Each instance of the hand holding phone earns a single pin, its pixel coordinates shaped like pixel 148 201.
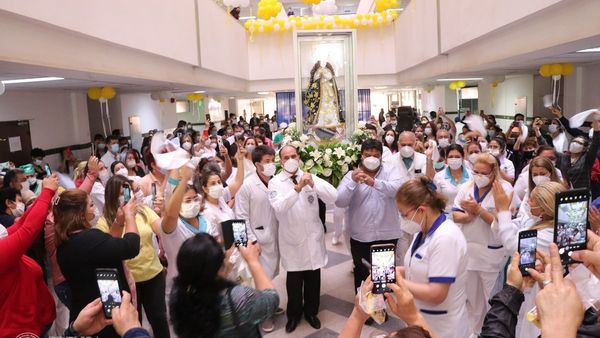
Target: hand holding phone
pixel 48 170
pixel 571 222
pixel 126 193
pixel 527 250
pixel 110 292
pixel 234 233
pixel 383 267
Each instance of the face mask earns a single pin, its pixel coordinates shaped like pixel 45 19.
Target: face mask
pixel 250 148
pixel 553 128
pixel 101 146
pixel 444 142
pixel 19 210
pixel 494 152
pixel 481 181
pixel 532 218
pixel 389 139
pixel 3 232
pixel 31 181
pixel 114 148
pixel 491 133
pixel 472 157
pixel 104 176
pixel 186 145
pixel 207 143
pixel 269 169
pixel 407 151
pixel 122 172
pixel 483 146
pixel 371 163
pixel 575 148
pixel 529 154
pixel 238 134
pixel 189 209
pixel 213 145
pixel 131 164
pixel 455 163
pixel 427 131
pixel 38 162
pixel 438 166
pixel 540 178
pixel 291 165
pixel 215 191
pixel 410 226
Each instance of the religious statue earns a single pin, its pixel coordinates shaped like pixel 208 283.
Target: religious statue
pixel 322 98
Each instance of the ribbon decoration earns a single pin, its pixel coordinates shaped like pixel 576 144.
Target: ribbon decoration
pixel 577 120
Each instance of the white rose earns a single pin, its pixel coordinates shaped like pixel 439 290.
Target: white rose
pixel 327 172
pixel 328 151
pixel 340 162
pixel 296 144
pixel 326 157
pixel 348 160
pixel 309 164
pixel 303 138
pixel 319 160
pixel 328 164
pixel 344 169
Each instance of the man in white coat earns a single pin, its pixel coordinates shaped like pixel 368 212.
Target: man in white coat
pixel 293 195
pixel 410 164
pixel 252 204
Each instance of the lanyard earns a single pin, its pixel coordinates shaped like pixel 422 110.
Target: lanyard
pixel 201 222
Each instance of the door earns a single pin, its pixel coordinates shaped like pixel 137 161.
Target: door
pixel 15 142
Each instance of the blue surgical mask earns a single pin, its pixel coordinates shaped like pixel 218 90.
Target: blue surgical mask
pixel 114 148
pixel 438 165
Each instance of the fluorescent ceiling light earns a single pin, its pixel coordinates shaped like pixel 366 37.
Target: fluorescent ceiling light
pixel 380 87
pixel 589 50
pixel 252 17
pixel 397 9
pixel 35 79
pixel 263 93
pixel 200 91
pixel 462 79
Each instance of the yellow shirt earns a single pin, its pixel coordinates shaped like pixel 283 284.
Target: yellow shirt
pixel 146 264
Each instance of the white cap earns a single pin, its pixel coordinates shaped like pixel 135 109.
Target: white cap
pixel 283 125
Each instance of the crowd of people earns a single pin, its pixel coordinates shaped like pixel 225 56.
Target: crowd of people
pixel 451 200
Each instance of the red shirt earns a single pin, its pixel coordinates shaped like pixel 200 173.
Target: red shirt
pixel 26 305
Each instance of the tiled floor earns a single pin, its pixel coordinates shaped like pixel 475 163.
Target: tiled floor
pixel 337 299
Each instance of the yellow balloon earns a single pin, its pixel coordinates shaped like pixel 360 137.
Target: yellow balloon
pixel 545 70
pixel 94 93
pixel 567 68
pixel 494 84
pixel 556 69
pixel 247 24
pixel 328 25
pixel 461 84
pixel 452 85
pixel 190 97
pixel 394 15
pixel 107 93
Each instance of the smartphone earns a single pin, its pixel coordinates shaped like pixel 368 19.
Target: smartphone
pixel 126 193
pixel 383 267
pixel 234 233
pixel 153 191
pixel 110 292
pixel 48 170
pixel 527 249
pixel 571 222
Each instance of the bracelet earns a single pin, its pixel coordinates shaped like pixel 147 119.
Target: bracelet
pixel 173 181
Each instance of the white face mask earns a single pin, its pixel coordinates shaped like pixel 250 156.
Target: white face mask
pixel 444 142
pixel 122 172
pixel 407 151
pixel 250 148
pixel 427 131
pixel 483 146
pixel 472 157
pixel 552 128
pixel 412 227
pixel 575 148
pixel 213 145
pixel 540 178
pixel 31 180
pixel 104 176
pixel 131 164
pixel 38 162
pixel 481 181
pixel 389 139
pixel 532 218
pixel 215 191
pixel 455 163
pixel 291 165
pixel 186 145
pixel 371 163
pixel 19 210
pixel 495 152
pixel 189 209
pixel 207 143
pixel 101 146
pixel 3 232
pixel 269 169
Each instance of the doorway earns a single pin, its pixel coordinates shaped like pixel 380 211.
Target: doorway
pixel 15 142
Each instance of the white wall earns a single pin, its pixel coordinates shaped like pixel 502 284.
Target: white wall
pixel 57 118
pixel 416 36
pixel 153 114
pixel 505 95
pixel 434 99
pixel 581 89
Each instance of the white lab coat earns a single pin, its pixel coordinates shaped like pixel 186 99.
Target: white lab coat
pixel 252 204
pixel 301 235
pixel 417 168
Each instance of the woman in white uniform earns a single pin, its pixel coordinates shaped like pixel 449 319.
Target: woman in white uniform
pixel 449 180
pixel 435 264
pixel 541 218
pixel 540 170
pixel 472 149
pixel 497 147
pixel 474 209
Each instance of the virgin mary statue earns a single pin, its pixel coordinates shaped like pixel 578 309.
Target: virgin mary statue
pixel 322 98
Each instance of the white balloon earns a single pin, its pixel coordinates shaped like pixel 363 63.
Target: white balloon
pixel 379 19
pixel 364 22
pixel 287 25
pixel 2 88
pixel 276 27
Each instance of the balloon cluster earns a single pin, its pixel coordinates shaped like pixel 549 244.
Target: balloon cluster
pixel 195 97
pixel 556 69
pixel 455 85
pixel 383 5
pixel 268 9
pixel 236 3
pixel 325 7
pixel 312 2
pixel 97 93
pixel 369 20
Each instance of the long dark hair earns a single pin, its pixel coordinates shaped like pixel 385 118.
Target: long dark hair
pixel 195 302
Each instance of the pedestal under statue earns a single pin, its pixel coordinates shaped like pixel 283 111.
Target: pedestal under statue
pixel 322 98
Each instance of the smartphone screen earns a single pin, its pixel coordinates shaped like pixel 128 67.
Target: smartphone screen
pixel 383 267
pixel 126 193
pixel 527 249
pixel 571 223
pixel 153 191
pixel 240 237
pixel 110 293
pixel 48 170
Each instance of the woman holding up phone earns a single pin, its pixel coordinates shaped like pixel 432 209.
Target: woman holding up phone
pixel 541 210
pixel 145 267
pixel 82 249
pixel 435 266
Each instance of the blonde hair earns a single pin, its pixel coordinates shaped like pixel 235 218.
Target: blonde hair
pixel 421 191
pixel 542 162
pixel 490 160
pixel 544 196
pixel 79 170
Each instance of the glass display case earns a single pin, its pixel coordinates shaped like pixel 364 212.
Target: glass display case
pixel 325 83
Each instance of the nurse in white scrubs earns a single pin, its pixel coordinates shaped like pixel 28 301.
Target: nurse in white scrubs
pixel 449 180
pixel 475 210
pixel 435 264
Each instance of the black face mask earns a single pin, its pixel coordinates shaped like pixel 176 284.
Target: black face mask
pixel 529 154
